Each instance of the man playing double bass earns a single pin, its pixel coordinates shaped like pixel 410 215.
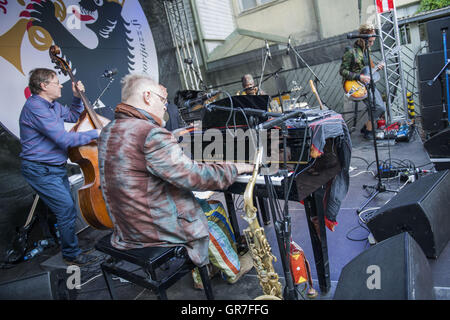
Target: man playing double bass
pixel 44 154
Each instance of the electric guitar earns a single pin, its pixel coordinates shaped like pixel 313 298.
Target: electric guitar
pixel 357 90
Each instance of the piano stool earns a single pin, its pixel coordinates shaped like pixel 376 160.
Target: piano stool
pixel 150 260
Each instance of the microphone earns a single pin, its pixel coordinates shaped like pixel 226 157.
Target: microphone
pixel 271 123
pixel 191 102
pixel 360 36
pixel 269 55
pixel 288 46
pixel 109 73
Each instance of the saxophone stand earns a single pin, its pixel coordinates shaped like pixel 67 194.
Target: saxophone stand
pixel 283 226
pixel 379 187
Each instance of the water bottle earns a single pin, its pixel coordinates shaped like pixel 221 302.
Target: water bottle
pixel 31 254
pixel 43 243
pixel 58 235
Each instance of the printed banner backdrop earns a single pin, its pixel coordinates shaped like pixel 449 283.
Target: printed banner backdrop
pixel 94 36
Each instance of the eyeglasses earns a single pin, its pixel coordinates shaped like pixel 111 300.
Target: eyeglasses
pixel 163 100
pixel 57 82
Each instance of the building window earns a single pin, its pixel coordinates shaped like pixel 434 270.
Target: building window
pixel 423 31
pixel 405 34
pixel 250 4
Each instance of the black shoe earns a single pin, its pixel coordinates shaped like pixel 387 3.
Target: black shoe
pixel 368 135
pixel 82 259
pixel 363 129
pixel 87 250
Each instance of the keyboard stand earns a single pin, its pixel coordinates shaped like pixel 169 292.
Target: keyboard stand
pixel 314 207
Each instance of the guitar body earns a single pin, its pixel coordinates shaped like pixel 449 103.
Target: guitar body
pixel 355 89
pixel 90 197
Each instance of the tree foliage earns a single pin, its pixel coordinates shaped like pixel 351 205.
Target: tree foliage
pixel 428 5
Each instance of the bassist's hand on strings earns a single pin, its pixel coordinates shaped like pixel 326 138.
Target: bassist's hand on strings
pixel 79 87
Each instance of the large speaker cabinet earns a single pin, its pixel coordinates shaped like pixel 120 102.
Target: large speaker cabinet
pixel 421 209
pixel 50 285
pixel 394 269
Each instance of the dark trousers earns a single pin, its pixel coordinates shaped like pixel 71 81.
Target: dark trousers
pixel 379 108
pixel 52 185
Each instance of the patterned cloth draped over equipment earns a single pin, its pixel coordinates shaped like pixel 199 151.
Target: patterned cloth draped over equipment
pixel 330 143
pixel 222 242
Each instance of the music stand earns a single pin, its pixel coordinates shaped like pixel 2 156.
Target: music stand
pixel 379 187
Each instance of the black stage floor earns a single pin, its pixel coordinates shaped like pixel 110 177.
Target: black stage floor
pixel 349 239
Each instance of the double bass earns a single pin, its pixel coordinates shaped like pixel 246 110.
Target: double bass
pixel 91 203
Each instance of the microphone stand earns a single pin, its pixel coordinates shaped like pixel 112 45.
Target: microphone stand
pixel 380 187
pixel 266 56
pixel 283 227
pixel 276 75
pixel 202 84
pixel 111 79
pixel 316 78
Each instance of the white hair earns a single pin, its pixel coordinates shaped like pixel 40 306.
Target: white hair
pixel 134 84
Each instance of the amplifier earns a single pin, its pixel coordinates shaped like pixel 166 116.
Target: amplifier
pixel 431 95
pixel 430 64
pixel 434 33
pixel 433 118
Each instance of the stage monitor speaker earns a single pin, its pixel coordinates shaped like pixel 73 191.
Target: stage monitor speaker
pixel 438 149
pixel 438 146
pixel 394 269
pixel 50 285
pixel 433 118
pixel 429 64
pixel 432 95
pixel 420 208
pixel 434 33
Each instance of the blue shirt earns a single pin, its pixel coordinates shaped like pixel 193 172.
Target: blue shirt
pixel 42 133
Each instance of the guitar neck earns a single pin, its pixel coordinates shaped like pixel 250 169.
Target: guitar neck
pixel 314 90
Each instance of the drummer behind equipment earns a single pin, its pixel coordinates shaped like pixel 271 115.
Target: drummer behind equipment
pixel 249 87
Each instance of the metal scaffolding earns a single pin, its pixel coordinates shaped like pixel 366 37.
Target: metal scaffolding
pixel 396 102
pixel 184 44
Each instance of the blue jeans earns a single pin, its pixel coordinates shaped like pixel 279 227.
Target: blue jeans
pixel 379 108
pixel 52 185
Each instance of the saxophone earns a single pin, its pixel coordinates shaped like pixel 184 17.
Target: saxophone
pixel 257 242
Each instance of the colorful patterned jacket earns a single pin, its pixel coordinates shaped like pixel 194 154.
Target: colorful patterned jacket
pixel 147 182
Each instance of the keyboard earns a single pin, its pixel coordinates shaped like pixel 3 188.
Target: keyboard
pixel 277 180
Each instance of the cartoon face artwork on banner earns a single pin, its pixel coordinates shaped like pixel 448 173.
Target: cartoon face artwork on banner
pixel 95 36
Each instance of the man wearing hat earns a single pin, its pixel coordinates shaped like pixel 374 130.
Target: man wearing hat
pixel 352 64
